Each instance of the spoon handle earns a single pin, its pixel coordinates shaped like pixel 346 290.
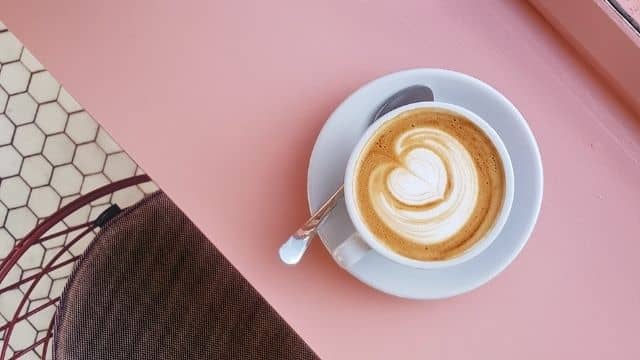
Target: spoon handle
pixel 292 250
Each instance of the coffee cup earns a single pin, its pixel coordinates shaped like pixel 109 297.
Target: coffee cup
pixel 428 185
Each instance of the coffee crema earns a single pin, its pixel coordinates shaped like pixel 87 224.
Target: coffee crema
pixel 429 184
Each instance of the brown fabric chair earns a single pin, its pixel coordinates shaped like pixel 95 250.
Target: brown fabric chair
pixel 151 286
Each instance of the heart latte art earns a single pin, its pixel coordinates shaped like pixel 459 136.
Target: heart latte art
pixel 429 184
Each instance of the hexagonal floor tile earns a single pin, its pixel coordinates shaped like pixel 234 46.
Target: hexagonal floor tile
pixel 14 275
pixel 26 273
pixel 93 182
pixel 4 97
pixel 36 171
pixel 21 109
pixel 41 290
pixel 10 47
pixel 14 192
pixel 106 142
pixel 51 118
pixel 43 87
pixel 14 77
pixel 78 217
pixel 6 130
pixel 68 102
pixel 9 302
pixel 10 161
pixel 50 253
pixel 28 139
pixel 3 214
pixel 6 243
pixel 59 149
pixel 119 166
pixel 27 336
pixel 66 180
pixel 30 61
pixel 81 127
pixel 43 201
pixel 33 303
pixel 127 197
pixel 20 221
pixel 89 158
pixel 67 199
pixel 32 258
pixel 41 319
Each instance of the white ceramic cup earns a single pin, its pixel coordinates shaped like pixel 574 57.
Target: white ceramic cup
pixel 355 247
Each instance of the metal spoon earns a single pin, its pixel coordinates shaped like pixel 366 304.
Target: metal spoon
pixel 292 250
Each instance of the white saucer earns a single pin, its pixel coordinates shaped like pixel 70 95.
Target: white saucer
pixel 341 133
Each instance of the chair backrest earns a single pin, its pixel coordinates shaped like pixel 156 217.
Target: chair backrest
pixel 152 286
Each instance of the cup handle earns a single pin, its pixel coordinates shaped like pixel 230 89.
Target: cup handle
pixel 352 250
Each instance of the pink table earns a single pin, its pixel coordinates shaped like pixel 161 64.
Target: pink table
pixel 221 101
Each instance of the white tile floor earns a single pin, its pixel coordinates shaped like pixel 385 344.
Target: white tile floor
pixel 51 152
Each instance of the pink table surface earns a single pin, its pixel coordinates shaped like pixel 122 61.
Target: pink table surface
pixel 221 101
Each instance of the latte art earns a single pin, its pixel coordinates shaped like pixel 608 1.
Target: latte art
pixel 421 180
pixel 423 163
pixel 429 184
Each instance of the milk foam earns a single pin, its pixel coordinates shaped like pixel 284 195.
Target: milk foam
pixel 428 191
pixel 421 180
